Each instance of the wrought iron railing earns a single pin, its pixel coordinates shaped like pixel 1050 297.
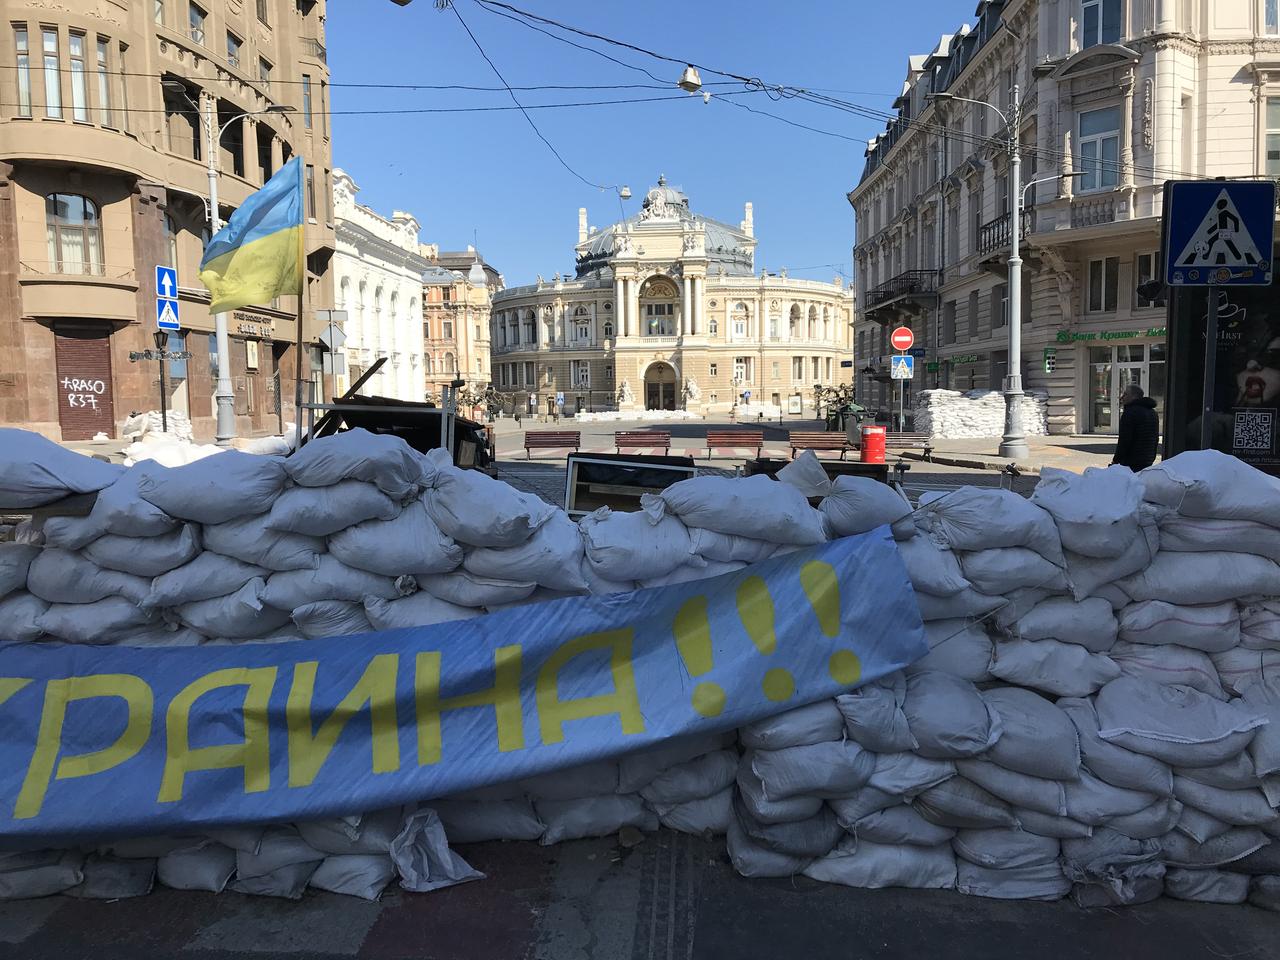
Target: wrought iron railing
pixel 994 235
pixel 909 282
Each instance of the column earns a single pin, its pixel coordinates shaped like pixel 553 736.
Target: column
pixel 277 154
pixel 1126 137
pixel 618 306
pixel 697 294
pixel 686 305
pixel 249 150
pixel 633 307
pixel 762 311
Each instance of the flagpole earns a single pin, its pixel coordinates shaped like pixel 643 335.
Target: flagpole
pixel 302 289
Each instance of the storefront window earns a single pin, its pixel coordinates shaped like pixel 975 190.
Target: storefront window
pixel 1111 369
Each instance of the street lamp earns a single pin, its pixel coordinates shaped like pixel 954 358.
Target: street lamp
pixel 1013 444
pixel 225 427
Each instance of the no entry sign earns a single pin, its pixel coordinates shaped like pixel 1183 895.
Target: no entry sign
pixel 902 338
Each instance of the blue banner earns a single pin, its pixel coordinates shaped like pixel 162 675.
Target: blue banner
pixel 118 741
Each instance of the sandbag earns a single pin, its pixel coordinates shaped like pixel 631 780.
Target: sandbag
pixel 756 507
pixel 1179 850
pixel 1004 848
pixel 1053 667
pixel 381 459
pixel 806 474
pixel 1196 535
pixel 1096 512
pixel 204 865
pixel 422 856
pixel 726 547
pixel 967 603
pixel 321 511
pixel 899 824
pixel 418 610
pixel 858 504
pixel 1150 822
pixel 932 568
pixel 1043 881
pixel 216 489
pixel 509 517
pixel 1239 668
pixel 1091 576
pixel 15 561
pixel 948 717
pixel 1201 578
pixel 145 556
pixel 1243 808
pixel 39 873
pixel 409 544
pixel 961 803
pixel 368 833
pixel 873 716
pixel 959 647
pixel 692 780
pixel 699 570
pixel 470 821
pixel 1237 773
pixel 1111 869
pixel 1169 664
pixel 974 518
pixel 592 817
pixel 1000 571
pixel 1097 802
pixel 330 579
pixel 1036 739
pixel 636 770
pixel 1059 828
pixel 59 576
pixel 863 803
pixel 19 613
pixel 1199 826
pixel 1260 624
pixel 586 780
pixel 833 769
pixel 1016 789
pixel 908 774
pixel 110 620
pixel 1261 697
pixel 288 882
pixel 280 847
pixel 121 509
pixel 632 546
pixel 468 590
pixel 813 837
pixel 243 615
pixel 763 810
pixel 73 533
pixel 1207 483
pixel 754 860
pixel 552 558
pixel 35 471
pixel 330 618
pixel 248 540
pixel 707 816
pixel 360 875
pixel 859 863
pixel 1206 886
pixel 1089 622
pixel 108 878
pixel 209 575
pixel 1211 629
pixel 813 723
pixel 1114 764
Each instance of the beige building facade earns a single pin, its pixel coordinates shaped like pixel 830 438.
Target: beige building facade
pixel 1117 96
pixel 105 108
pixel 666 312
pixel 457 293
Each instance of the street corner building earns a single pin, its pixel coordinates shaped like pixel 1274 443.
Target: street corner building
pixel 667 312
pixel 107 114
pixel 1116 97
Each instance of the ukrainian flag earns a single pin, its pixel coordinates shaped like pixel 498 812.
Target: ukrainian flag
pixel 258 254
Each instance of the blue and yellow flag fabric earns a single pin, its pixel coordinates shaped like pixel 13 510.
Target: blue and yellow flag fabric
pixel 258 254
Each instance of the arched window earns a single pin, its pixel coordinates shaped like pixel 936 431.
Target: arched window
pixel 377 302
pixel 449 366
pixel 395 305
pixel 608 329
pixel 530 327
pixel 582 323
pixel 813 323
pixel 344 293
pixel 740 316
pixel 429 363
pixel 658 307
pixel 713 326
pixel 74 231
pixel 171 238
pixel 794 321
pixel 826 323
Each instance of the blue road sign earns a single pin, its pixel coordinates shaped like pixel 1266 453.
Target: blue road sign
pixel 167 298
pixel 902 367
pixel 1219 232
pixel 917 352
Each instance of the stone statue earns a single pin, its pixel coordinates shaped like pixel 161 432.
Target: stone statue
pixel 624 242
pixel 624 393
pixel 691 390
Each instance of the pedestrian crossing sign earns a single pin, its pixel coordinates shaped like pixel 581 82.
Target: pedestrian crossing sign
pixel 1219 232
pixel 902 367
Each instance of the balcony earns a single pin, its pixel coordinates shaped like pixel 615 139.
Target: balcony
pixel 908 293
pixel 994 235
pixel 311 47
pixel 1093 211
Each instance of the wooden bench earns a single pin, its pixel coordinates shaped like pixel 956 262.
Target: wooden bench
pixel 636 439
pixel 551 439
pixel 817 440
pixel 909 441
pixel 734 438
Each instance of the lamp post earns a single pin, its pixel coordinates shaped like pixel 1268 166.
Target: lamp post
pixel 225 424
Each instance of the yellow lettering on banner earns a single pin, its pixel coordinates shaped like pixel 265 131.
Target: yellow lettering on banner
pixel 309 749
pixel 253 753
pixel 503 696
pixel 624 701
pixel 137 696
pixel 11 685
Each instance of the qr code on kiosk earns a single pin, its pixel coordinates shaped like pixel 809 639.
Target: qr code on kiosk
pixel 1254 430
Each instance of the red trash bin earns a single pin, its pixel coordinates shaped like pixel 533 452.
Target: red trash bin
pixel 873 444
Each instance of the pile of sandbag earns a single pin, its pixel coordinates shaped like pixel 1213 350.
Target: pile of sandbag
pixel 173 422
pixel 952 415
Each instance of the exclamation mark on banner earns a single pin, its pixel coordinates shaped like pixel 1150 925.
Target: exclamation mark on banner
pixel 755 609
pixel 822 587
pixel 693 640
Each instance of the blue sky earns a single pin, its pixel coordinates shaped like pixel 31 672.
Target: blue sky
pixel 488 173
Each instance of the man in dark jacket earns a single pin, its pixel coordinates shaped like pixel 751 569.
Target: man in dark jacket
pixel 1139 430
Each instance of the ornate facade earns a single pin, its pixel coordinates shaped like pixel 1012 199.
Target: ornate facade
pixel 1117 96
pixel 457 290
pixel 665 312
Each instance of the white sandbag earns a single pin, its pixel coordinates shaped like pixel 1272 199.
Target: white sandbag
pixel 1179 850
pixel 631 546
pixel 1262 697
pixel 471 821
pixel 698 570
pixel 1040 882
pixel 692 780
pixel 145 848
pixel 422 856
pixel 957 802
pixel 813 723
pixel 1206 886
pixel 859 863
pixel 755 507
pixel 1090 623
pixel 967 603
pixel 762 809
pixel 418 610
pixel 120 508
pixel 216 489
pixel 1260 624
pixel 38 873
pixel 592 817
pixel 1089 576
pixel 204 865
pixel 908 774
pixel 19 613
pixel 1242 808
pixel 636 770
pixel 931 568
pixel 1001 571
pixel 145 556
pixel 1097 802
pixel 974 518
pixel 35 471
pixel 1016 789
pixel 248 540
pixel 164 632
pixel 468 590
pixel 1237 773
pixel 1036 739
pixel 863 803
pixel 948 716
pixel 1195 535
pixel 1016 605
pixel 753 860
pixel 330 618
pixel 330 579
pixel 959 647
pixel 1239 668
pixel 360 875
pixel 1096 512
pixel 806 474
pixel 1200 826
pixel 1265 861
pixel 280 847
pixel 1211 629
pixel 1053 667
pixel 1151 822
pixel 59 576
pixel 858 504
pixel 1113 862
pixel 873 716
pixel 409 544
pixel 248 839
pixel 368 833
pixel 380 459
pixel 1168 664
pixel 552 558
pixel 813 837
pixel 15 561
pixel 726 547
pixel 899 824
pixel 833 769
pixel 1114 764
pixel 509 516
pixel 1207 483
pixel 241 615
pixel 585 780
pixel 1005 848
pixel 106 621
pixel 73 533
pixel 288 882
pixel 108 878
pixel 1059 828
pixel 1209 577
pixel 705 817
pixel 321 511
pixel 209 575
